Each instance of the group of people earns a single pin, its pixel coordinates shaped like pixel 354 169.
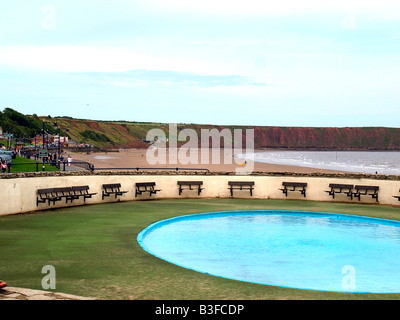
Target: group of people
pixel 15 150
pixel 52 158
pixel 4 164
pixel 69 160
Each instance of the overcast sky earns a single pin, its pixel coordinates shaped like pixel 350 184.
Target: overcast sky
pixel 253 62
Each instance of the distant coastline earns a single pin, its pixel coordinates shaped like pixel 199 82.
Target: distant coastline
pixel 129 134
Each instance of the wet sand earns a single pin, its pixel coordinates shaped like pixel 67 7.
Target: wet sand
pixel 132 158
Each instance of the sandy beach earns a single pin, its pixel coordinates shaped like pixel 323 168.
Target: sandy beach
pixel 143 158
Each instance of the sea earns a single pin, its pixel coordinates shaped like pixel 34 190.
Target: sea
pixel 381 162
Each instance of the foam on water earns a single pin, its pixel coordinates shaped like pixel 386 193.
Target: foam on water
pixel 353 161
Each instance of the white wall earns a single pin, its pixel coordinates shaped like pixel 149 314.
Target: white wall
pixel 18 195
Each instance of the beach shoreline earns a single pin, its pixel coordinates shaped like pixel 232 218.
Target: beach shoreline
pixel 224 161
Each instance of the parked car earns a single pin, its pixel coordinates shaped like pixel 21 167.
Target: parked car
pixel 6 155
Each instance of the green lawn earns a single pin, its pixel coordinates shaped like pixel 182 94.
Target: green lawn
pixel 95 252
pixel 29 165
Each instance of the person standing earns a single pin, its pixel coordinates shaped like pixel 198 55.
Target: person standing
pixel 3 166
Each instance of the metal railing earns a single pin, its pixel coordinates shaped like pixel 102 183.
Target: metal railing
pixel 37 164
pixel 81 164
pixel 63 166
pixel 41 166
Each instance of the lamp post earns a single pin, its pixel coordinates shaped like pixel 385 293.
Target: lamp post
pixel 59 142
pixel 55 126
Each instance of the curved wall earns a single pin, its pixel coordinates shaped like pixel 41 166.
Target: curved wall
pixel 18 191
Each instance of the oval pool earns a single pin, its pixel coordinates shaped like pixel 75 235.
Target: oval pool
pixel 296 249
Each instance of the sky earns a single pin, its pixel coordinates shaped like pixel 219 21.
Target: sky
pixel 254 62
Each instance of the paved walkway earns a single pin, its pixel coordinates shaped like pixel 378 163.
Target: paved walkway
pixel 13 293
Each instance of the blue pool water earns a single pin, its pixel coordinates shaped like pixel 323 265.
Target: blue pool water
pixel 307 250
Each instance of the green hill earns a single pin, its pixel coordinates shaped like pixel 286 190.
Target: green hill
pixel 22 125
pixel 125 134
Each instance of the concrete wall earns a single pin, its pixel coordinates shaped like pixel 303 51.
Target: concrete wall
pixel 18 192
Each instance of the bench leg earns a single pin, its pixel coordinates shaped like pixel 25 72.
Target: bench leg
pixel 350 195
pixel 39 201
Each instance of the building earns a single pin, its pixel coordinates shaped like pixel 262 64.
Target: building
pixel 62 139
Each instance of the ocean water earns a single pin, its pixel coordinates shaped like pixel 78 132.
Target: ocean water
pixel 383 162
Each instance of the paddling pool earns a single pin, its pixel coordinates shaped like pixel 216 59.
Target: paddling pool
pixel 295 249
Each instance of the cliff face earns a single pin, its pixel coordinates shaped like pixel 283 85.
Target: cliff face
pixel 132 135
pixel 328 138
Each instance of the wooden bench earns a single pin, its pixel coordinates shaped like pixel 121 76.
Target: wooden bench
pixel 47 194
pixel 190 184
pixel 340 188
pixel 293 185
pixel 112 189
pixel 64 192
pixel 81 191
pixel 397 197
pixel 366 191
pixel 142 187
pixel 241 185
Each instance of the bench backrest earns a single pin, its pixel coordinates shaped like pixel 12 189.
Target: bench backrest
pixel 241 183
pixel 181 183
pixel 62 189
pixel 80 188
pixel 111 185
pixel 294 184
pixel 346 186
pixel 45 191
pixel 373 188
pixel 145 184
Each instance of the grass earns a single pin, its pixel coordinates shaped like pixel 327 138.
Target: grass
pixel 29 165
pixel 95 253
